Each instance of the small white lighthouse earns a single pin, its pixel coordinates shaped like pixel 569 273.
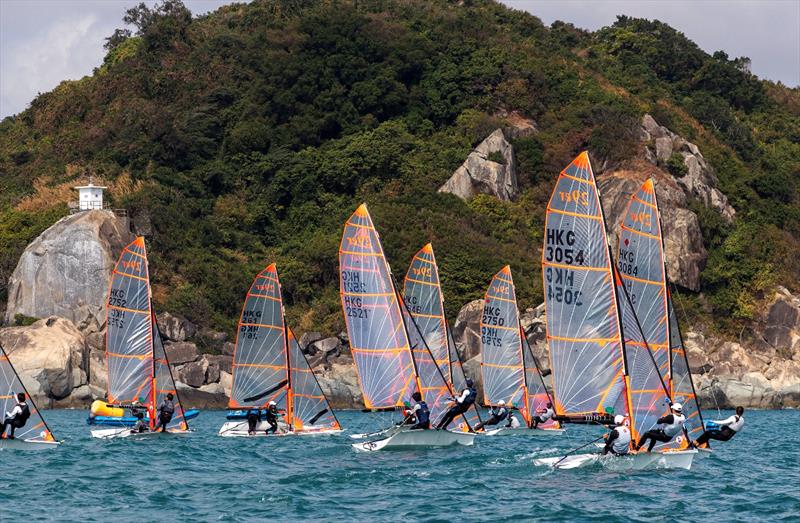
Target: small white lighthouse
pixel 90 196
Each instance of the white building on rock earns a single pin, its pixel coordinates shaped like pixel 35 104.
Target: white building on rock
pixel 90 196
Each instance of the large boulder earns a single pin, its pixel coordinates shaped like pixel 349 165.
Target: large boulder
pixel 781 326
pixel 48 356
pixel 467 330
pixel 489 169
pixel 68 266
pixel 181 352
pixel 175 327
pixel 340 385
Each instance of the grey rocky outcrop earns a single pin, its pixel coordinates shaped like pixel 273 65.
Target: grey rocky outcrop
pixel 481 175
pixel 175 327
pixel 65 271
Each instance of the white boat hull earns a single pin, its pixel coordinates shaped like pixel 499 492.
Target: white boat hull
pixel 238 429
pixel 638 461
pixel 27 444
pixel 408 439
pixel 128 433
pixel 703 453
pixel 523 431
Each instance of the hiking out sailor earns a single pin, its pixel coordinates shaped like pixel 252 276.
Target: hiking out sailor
pixel 461 404
pixel 618 441
pixel 729 427
pixel 496 415
pixel 137 411
pixel 513 421
pixel 672 425
pixel 420 412
pixel 166 409
pixel 16 418
pixel 544 415
pixel 253 415
pixel 272 418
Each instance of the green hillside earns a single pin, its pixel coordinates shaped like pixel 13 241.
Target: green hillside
pixel 249 135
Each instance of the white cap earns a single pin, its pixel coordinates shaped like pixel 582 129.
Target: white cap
pixel 271 403
pixel 677 407
pixel 501 402
pixel 619 419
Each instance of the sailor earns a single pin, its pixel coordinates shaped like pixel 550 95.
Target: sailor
pixel 166 410
pixel 729 428
pixel 544 415
pixel 461 404
pixel 618 441
pixel 421 413
pixel 513 421
pixel 496 415
pixel 672 426
pixel 272 418
pixel 137 411
pixel 253 416
pixel 17 418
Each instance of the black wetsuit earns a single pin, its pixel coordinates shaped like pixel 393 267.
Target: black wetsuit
pixel 165 412
pixel 272 419
pixel 17 421
pixel 496 417
pixel 253 416
pixel 656 435
pixel 459 408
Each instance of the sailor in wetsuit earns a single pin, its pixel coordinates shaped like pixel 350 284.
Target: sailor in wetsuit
pixel 137 411
pixel 17 418
pixel 272 418
pixel 421 413
pixel 253 416
pixel 672 426
pixel 496 415
pixel 462 403
pixel 618 441
pixel 729 428
pixel 165 412
pixel 543 416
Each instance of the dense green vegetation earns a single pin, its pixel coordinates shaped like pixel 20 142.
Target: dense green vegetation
pixel 250 134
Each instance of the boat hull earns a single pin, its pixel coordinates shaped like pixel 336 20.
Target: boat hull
pixel 238 429
pixel 129 421
pixel 409 439
pixel 524 431
pixel 28 444
pixel 128 433
pixel 640 461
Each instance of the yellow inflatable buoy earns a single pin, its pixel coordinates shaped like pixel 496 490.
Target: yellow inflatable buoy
pixel 100 408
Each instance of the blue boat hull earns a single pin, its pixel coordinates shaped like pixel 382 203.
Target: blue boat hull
pixel 129 421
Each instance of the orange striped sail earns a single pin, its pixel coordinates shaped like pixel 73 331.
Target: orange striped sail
pixel 310 408
pixel 583 329
pixel 138 369
pixel 36 428
pixel 375 326
pixel 428 332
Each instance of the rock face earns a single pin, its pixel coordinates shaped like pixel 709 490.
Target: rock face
pixel 50 357
pixel 68 267
pixel 480 174
pixel 467 330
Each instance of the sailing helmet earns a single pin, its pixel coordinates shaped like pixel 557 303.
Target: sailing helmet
pixel 501 402
pixel 272 403
pixel 469 382
pixel 619 419
pixel 677 407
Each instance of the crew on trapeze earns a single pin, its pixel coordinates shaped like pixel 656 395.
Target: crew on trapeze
pixel 729 427
pixel 461 404
pixel 672 425
pixel 496 415
pixel 618 441
pixel 543 416
pixel 420 413
pixel 16 418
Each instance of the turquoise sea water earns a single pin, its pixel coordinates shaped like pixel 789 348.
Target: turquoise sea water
pixel 202 477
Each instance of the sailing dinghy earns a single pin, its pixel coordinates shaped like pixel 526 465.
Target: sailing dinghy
pixel 389 370
pixel 602 364
pixel 268 365
pixel 35 435
pixel 641 266
pixel 511 374
pixel 138 368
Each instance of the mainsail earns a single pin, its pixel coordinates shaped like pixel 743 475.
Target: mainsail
pixel 138 369
pixel 378 326
pixel 428 332
pixel 642 269
pixel 510 373
pixel 583 330
pixel 268 364
pixel 36 428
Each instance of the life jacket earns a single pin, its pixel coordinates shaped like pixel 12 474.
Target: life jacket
pixel 423 413
pixel 23 416
pixel 674 428
pixel 167 407
pixel 622 444
pixel 471 397
pixel 501 414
